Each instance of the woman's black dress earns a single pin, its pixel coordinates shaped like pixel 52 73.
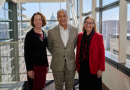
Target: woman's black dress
pixel 88 81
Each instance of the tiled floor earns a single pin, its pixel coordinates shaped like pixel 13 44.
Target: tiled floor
pixel 6 85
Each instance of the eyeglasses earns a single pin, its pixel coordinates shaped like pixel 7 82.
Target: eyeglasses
pixel 90 23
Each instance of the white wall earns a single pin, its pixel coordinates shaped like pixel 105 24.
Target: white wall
pixel 115 79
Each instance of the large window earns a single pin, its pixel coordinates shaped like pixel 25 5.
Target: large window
pixel 4 23
pixel 77 2
pixel 48 10
pixel 97 22
pixel 128 33
pixel 2 14
pixel 105 2
pixel 97 3
pixel 31 8
pixel 63 5
pixel 87 6
pixel 110 29
pixel 49 25
pixel 6 49
pixel 128 19
pixel 76 7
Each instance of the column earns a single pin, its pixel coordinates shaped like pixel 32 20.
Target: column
pixel 93 9
pixel 80 15
pixel 122 31
pixel 68 10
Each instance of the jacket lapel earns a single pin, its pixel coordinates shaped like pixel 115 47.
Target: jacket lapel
pixel 36 36
pixel 57 31
pixel 92 41
pixel 70 29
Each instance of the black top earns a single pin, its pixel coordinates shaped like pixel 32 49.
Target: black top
pixel 35 50
pixel 84 48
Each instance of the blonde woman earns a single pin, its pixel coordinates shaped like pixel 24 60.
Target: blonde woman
pixel 90 56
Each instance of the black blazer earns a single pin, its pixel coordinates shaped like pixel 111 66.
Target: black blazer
pixel 35 50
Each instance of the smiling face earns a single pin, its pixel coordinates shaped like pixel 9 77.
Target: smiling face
pixel 89 24
pixel 62 18
pixel 37 21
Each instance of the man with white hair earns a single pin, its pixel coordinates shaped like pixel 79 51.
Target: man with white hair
pixel 62 40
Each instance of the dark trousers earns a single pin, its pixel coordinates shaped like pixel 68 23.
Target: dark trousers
pixel 88 81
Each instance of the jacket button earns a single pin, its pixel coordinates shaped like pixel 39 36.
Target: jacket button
pixel 65 48
pixel 63 56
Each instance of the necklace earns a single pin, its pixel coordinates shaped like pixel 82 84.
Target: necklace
pixel 36 31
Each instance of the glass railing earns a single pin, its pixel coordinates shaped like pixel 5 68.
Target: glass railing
pixel 12 65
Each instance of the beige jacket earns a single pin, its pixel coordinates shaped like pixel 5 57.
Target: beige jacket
pixel 59 51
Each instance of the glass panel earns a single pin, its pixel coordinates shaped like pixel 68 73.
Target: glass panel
pixel 2 14
pixel 19 29
pixel 110 30
pixel 2 26
pixel 84 18
pixel 12 63
pixel 2 31
pixel 76 7
pixel 105 2
pixel 128 33
pixel 7 14
pixel 19 26
pixel 52 8
pixel 28 26
pixel 71 14
pixel 9 66
pixel 87 6
pixel 128 19
pixel 5 57
pixel 97 3
pixel 24 26
pixel 49 25
pixel 6 5
pixel 7 32
pixel 63 5
pixel 97 22
pixel 31 10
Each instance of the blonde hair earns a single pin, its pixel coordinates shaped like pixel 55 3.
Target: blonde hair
pixel 95 29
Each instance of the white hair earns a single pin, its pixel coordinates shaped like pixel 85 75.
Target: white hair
pixel 62 10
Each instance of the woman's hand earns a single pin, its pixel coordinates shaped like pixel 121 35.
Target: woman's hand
pixel 31 74
pixel 99 73
pixel 47 70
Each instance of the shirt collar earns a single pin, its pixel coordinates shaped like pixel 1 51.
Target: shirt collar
pixel 61 28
